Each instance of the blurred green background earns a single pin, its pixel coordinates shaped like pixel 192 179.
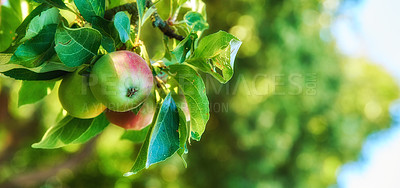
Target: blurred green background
pixel 294 112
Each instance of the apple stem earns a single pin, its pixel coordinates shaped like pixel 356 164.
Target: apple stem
pixel 162 85
pixel 133 44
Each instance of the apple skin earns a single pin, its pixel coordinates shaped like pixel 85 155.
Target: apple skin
pixel 130 120
pixel 121 80
pixel 77 98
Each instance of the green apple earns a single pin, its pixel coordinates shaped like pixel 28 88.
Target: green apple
pixel 77 98
pixel 121 80
pixel 131 120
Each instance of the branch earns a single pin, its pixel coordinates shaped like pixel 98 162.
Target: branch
pixel 158 22
pixel 164 27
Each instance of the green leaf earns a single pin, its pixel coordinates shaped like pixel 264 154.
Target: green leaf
pixel 72 130
pixel 185 46
pixel 47 17
pixel 77 46
pixel 9 20
pixel 183 135
pixel 90 8
pixel 162 141
pixel 194 90
pixel 15 5
pixel 98 125
pixel 169 58
pixel 55 3
pixel 4 59
pixel 33 91
pixel 216 54
pixel 21 30
pixel 198 6
pixel 27 74
pixel 105 27
pixel 177 5
pixel 141 6
pixel 180 2
pixel 108 44
pixel 196 21
pixel 136 136
pixel 123 26
pixel 47 71
pixel 109 32
pixel 147 14
pixel 37 50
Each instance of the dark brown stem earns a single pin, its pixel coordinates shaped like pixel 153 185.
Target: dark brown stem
pixel 156 19
pixel 164 27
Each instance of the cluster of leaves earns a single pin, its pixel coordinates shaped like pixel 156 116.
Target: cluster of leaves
pixel 47 46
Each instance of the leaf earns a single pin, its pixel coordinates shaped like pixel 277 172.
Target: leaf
pixel 183 135
pixel 37 50
pixel 77 46
pixel 162 141
pixel 196 6
pixel 177 5
pixel 184 47
pixel 180 2
pixel 147 14
pixel 108 44
pixel 16 6
pixel 194 91
pixel 105 27
pixel 26 74
pixel 141 6
pixel 136 136
pixel 123 26
pixel 47 71
pixel 47 17
pixel 55 3
pixel 4 59
pixel 216 54
pixel 72 130
pixel 98 125
pixel 9 21
pixel 48 66
pixel 33 91
pixel 180 100
pixel 196 21
pixel 21 30
pixel 109 32
pixel 169 58
pixel 90 8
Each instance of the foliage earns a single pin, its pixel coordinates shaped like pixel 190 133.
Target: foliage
pixel 293 112
pixel 47 38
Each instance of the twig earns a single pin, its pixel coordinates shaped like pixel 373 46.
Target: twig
pixel 164 27
pixel 157 20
